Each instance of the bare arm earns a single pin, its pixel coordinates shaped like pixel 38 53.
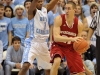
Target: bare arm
pixel 51 5
pixel 80 27
pixel 85 24
pixel 56 32
pixel 32 9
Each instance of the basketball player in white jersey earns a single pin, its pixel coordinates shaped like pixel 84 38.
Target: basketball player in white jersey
pixel 36 45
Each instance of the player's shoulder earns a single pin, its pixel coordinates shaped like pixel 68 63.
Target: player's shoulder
pixel 58 17
pixel 58 21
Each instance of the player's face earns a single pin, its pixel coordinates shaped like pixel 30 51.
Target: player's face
pixel 78 10
pixel 19 11
pixel 8 12
pixel 16 45
pixel 27 5
pixel 1 11
pixel 84 35
pixel 69 10
pixel 39 4
pixel 93 10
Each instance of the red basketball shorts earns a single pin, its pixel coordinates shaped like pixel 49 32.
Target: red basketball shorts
pixel 74 59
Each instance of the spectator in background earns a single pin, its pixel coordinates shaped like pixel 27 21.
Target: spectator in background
pixel 61 6
pixel 79 12
pixel 9 3
pixel 87 21
pixel 8 12
pixel 27 4
pixel 88 66
pixel 14 56
pixel 20 24
pixel 86 8
pixel 1 56
pixel 5 29
pixel 90 54
pixel 99 4
pixel 3 1
pixel 17 2
pixel 77 2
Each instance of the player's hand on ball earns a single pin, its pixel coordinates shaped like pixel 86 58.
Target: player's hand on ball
pixel 76 39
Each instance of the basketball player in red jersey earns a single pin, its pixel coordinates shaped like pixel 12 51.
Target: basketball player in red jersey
pixel 67 29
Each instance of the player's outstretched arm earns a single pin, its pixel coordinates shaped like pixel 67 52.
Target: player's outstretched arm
pixel 32 9
pixel 51 5
pixel 56 31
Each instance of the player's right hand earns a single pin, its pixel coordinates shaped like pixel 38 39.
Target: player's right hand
pixel 76 39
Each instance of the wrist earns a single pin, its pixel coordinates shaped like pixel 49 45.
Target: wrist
pixel 70 39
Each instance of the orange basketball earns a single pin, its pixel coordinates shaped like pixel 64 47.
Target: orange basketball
pixel 81 46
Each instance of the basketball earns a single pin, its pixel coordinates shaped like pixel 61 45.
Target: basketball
pixel 81 46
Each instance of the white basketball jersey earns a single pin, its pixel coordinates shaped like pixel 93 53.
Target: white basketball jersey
pixel 41 27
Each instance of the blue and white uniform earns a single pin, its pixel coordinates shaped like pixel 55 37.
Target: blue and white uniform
pixel 36 45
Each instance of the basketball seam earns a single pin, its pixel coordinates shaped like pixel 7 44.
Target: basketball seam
pixel 86 45
pixel 79 45
pixel 83 47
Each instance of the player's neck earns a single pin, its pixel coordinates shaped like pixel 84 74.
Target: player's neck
pixel 70 19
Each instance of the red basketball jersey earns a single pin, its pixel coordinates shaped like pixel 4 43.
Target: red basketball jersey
pixel 67 31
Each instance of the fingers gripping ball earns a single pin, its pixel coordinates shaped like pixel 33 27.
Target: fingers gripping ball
pixel 81 46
